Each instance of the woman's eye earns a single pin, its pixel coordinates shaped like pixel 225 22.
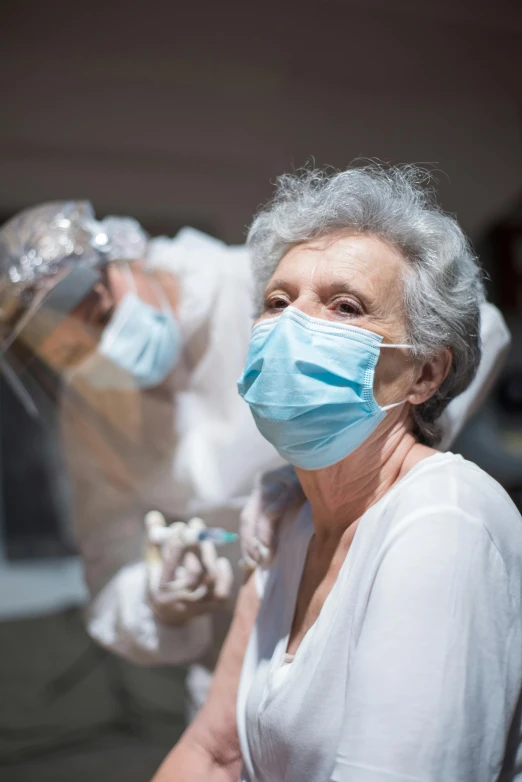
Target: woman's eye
pixel 346 307
pixel 276 304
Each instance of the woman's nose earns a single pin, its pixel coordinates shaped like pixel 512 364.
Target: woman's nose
pixel 308 305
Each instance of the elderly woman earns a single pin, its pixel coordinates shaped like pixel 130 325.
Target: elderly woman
pixel 384 641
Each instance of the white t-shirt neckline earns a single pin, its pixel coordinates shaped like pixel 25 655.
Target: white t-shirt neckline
pixel 431 586
pixel 326 615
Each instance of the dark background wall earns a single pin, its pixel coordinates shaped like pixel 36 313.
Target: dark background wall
pixel 184 112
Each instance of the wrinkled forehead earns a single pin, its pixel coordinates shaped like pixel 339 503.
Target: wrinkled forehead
pixel 366 262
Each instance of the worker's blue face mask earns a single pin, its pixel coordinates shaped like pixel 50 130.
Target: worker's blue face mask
pixel 309 384
pixel 141 340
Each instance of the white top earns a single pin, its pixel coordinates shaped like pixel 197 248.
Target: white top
pixel 413 669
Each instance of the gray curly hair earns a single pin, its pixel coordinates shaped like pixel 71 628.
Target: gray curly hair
pixel 443 288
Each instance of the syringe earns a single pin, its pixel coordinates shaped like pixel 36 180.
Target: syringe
pixel 217 535
pixel 159 533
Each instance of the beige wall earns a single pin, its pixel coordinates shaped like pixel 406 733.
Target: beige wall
pixel 186 114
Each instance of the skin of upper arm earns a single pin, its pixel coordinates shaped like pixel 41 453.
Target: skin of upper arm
pixel 209 749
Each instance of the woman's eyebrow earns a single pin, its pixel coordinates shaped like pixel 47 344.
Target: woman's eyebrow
pixel 342 286
pixel 281 284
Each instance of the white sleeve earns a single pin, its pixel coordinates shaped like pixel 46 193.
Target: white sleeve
pixel 437 666
pixel 495 340
pixel 108 525
pixel 121 619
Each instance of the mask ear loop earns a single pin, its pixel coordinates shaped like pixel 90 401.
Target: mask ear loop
pixel 395 404
pixel 131 282
pixel 165 305
pixel 165 308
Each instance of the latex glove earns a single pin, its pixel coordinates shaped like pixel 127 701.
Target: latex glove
pixel 273 494
pixel 186 576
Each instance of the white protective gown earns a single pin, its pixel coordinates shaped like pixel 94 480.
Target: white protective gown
pixel 189 447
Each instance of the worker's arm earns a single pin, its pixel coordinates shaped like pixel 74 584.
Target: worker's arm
pixel 209 749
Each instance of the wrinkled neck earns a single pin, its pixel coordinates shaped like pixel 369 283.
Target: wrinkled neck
pixel 341 494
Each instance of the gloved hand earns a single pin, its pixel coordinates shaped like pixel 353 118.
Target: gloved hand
pixel 186 576
pixel 273 494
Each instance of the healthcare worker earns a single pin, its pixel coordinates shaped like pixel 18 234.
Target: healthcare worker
pixel 148 338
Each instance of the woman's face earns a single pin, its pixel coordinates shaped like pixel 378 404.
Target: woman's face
pixel 356 280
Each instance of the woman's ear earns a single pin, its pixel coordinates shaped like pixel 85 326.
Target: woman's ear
pixel 430 376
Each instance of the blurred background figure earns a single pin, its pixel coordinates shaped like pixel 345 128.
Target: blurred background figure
pixel 139 344
pixel 182 115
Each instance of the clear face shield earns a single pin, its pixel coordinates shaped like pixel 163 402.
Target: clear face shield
pixel 53 264
pixel 50 338
pixel 35 491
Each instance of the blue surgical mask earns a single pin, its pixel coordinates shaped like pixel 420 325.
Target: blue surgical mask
pixel 142 341
pixel 309 384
